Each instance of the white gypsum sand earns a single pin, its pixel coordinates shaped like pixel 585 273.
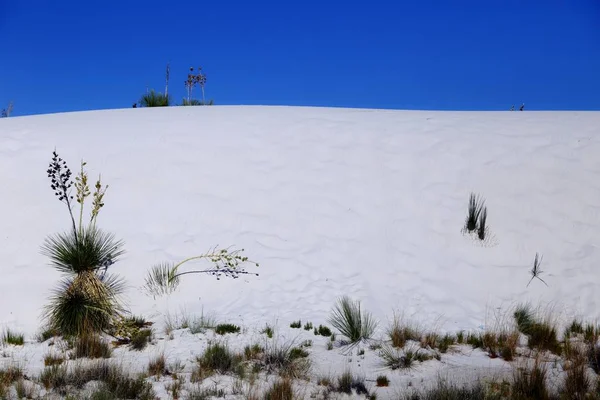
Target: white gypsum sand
pixel 330 202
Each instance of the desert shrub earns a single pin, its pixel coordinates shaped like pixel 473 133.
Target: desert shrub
pixel 174 388
pixel 114 380
pixel 52 359
pixel 445 342
pixel 460 337
pixel 529 383
pixel 218 357
pixel 157 366
pixel 541 335
pixel 347 382
pixel 222 329
pixel 401 359
pixel 253 352
pixel 286 359
pixel 14 338
pixel 576 327
pixel 296 324
pixel 593 356
pixel 205 393
pixel 503 344
pixel 91 346
pixel 155 99
pixel 382 381
pixel 323 331
pixel 140 339
pixel 280 390
pixel 351 321
pixel 591 333
pixel 25 389
pixel 297 352
pixel 399 333
pixel 476 205
pixel 268 330
pixel 87 299
pixel 576 383
pixel 308 326
pixel 448 391
pixel 8 376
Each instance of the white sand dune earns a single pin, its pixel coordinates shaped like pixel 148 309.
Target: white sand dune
pixel 366 203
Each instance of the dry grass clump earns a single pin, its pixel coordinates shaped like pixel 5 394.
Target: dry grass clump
pixel 400 332
pixel 91 346
pixel 280 390
pixel 114 380
pixel 53 359
pixel 157 366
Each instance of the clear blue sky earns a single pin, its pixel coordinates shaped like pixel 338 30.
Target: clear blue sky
pixel 422 54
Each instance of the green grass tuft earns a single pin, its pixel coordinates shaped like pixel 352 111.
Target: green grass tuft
pixel 222 329
pixel 14 338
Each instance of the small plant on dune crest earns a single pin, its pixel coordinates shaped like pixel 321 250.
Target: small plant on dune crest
pixel 536 271
pixel 164 278
pixel 280 390
pixel 296 324
pixel 87 299
pixel 476 204
pixel 308 326
pixel 14 338
pixel 222 329
pixel 352 322
pixel 155 99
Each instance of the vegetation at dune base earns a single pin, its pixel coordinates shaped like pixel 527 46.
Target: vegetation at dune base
pixel 86 300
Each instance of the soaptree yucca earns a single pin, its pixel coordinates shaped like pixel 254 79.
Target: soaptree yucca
pixel 352 322
pixel 155 99
pixel 86 300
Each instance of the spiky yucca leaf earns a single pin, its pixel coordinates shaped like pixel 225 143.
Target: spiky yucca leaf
pixel 350 320
pixel 476 204
pixel 84 303
pixel 88 250
pixel 162 279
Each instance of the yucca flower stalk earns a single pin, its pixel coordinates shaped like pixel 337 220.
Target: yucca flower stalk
pixel 163 278
pixel 86 300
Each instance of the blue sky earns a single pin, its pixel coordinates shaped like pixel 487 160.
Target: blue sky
pixel 423 54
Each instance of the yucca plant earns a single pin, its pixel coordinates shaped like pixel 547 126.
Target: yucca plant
pixel 86 300
pixel 155 99
pixel 351 321
pixel 476 205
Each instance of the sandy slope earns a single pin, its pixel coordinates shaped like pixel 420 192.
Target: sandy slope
pixel 329 201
